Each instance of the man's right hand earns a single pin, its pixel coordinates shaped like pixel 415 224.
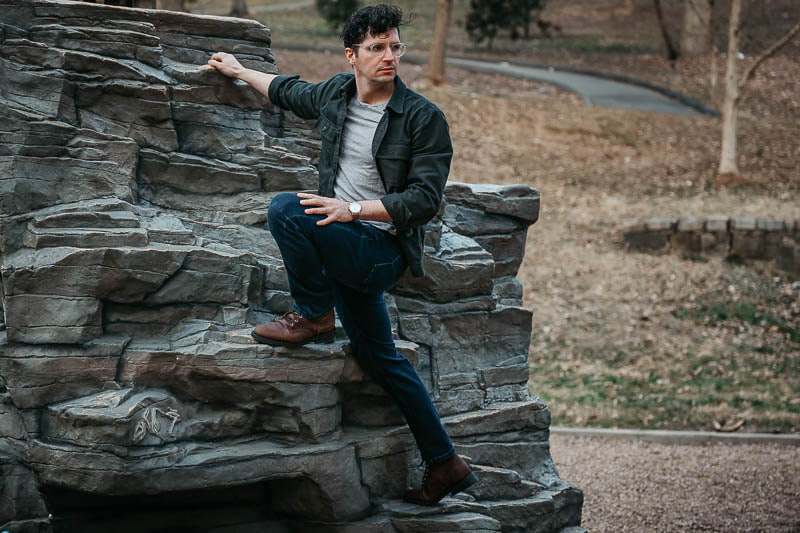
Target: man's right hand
pixel 228 65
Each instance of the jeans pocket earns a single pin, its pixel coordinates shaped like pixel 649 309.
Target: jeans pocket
pixel 384 275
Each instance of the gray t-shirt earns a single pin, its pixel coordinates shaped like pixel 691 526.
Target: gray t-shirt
pixel 357 177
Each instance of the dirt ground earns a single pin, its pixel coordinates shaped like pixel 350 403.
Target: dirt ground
pixel 634 486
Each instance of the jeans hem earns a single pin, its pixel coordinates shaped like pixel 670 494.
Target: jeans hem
pixel 442 458
pixel 309 316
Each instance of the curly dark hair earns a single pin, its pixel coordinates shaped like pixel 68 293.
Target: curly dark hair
pixel 370 20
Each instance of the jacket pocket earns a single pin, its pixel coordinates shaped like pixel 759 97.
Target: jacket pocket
pixel 393 161
pixel 326 128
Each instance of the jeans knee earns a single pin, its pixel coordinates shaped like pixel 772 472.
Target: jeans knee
pixel 282 205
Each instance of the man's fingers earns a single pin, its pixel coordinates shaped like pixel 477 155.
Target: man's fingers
pixel 310 199
pixel 330 208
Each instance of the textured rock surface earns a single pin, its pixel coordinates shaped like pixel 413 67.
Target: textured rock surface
pixel 134 264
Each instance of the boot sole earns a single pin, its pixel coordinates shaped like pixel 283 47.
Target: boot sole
pixel 471 479
pixel 322 338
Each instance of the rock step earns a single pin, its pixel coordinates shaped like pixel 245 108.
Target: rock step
pixel 101 229
pixel 501 484
pixel 85 229
pixel 222 385
pixel 87 219
pixel 550 510
pixel 85 237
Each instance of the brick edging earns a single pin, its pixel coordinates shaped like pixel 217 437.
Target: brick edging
pixel 742 237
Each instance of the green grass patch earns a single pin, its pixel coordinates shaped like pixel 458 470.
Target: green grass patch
pixel 747 311
pixel 760 385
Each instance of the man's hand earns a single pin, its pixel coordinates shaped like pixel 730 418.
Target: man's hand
pixel 334 210
pixel 339 211
pixel 227 64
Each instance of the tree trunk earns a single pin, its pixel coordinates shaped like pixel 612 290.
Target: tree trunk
pixel 730 105
pixel 696 27
pixel 171 5
pixel 239 8
pixel 672 50
pixel 630 6
pixel 713 76
pixel 436 59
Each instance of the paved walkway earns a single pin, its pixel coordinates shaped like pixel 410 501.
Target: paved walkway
pixel 595 89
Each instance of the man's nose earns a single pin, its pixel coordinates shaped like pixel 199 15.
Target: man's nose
pixel 388 52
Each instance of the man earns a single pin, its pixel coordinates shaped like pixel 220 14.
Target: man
pixel 385 158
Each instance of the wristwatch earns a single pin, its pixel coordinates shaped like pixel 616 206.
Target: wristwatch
pixel 355 209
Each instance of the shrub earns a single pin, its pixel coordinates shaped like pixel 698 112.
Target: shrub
pixel 336 12
pixel 487 17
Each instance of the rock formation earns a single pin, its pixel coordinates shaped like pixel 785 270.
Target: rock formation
pixel 133 194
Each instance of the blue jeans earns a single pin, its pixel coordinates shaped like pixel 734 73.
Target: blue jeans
pixel 349 266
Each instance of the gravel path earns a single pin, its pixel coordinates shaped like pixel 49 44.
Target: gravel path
pixel 632 485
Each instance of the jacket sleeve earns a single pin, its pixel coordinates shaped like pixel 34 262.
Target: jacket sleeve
pixel 429 165
pixel 300 97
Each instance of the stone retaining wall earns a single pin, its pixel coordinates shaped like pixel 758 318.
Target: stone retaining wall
pixel 134 263
pixel 746 238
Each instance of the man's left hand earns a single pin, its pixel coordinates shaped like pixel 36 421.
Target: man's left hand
pixel 332 209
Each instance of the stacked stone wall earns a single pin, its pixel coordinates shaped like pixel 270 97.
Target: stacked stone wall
pixel 745 238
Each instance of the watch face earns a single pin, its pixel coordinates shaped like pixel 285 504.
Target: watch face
pixel 355 208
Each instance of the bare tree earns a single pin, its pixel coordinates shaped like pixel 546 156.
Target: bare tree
pixel 696 35
pixel 672 50
pixel 630 6
pixel 436 59
pixel 171 5
pixel 734 83
pixel 239 8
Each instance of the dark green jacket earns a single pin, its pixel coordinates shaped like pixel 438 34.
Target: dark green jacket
pixel 412 149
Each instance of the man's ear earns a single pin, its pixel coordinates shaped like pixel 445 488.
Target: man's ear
pixel 350 54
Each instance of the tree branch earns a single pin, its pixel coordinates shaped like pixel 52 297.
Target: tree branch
pixel 780 43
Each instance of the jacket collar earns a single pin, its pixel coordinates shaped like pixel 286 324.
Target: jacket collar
pixel 396 103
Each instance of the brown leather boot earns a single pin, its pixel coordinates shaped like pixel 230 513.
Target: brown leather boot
pixel 293 329
pixel 441 479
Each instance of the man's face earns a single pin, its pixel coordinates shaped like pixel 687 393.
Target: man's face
pixel 374 66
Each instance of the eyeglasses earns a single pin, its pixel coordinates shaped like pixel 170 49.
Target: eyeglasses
pixel 398 49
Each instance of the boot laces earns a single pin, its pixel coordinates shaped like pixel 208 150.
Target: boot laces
pixel 292 318
pixel 426 474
